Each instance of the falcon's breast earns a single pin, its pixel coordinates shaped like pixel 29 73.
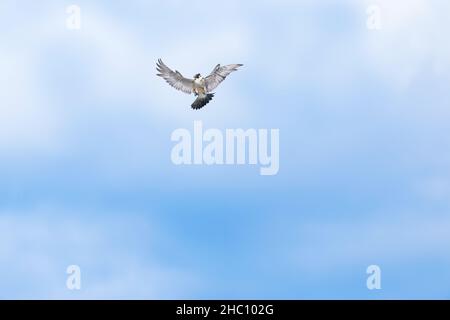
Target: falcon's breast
pixel 199 86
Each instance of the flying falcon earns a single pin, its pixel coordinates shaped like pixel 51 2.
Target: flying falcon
pixel 200 86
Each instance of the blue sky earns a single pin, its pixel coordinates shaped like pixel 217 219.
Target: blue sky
pixel 86 176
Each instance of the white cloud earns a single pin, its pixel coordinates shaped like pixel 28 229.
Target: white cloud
pixel 413 37
pixel 114 253
pixel 26 122
pixel 388 237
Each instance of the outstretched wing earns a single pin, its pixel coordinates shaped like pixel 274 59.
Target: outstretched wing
pixel 218 75
pixel 174 78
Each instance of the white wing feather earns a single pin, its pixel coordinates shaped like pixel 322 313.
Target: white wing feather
pixel 218 75
pixel 174 78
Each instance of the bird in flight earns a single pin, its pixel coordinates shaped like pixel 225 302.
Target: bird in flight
pixel 199 85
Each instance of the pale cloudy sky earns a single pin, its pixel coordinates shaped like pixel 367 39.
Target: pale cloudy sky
pixel 85 167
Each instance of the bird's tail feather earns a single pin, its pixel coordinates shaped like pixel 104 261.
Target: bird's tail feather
pixel 201 101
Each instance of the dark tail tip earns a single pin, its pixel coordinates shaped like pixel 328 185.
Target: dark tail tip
pixel 200 102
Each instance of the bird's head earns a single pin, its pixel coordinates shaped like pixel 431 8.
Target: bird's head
pixel 197 76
